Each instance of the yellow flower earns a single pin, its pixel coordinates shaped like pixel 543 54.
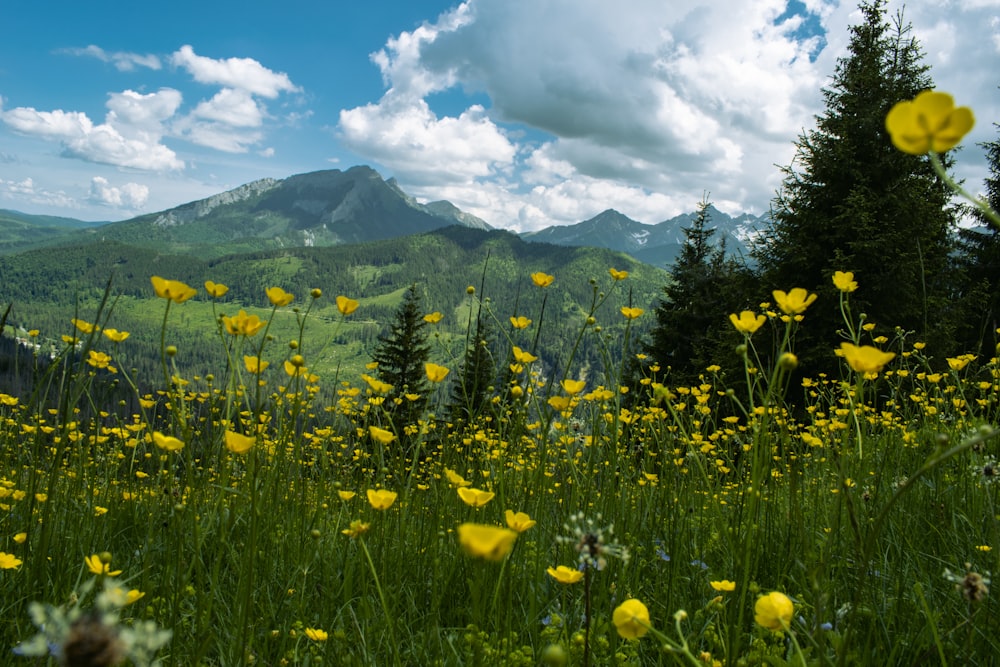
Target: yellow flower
pixel 518 521
pixel 295 366
pixel 167 442
pixel 238 443
pixel 520 322
pixel 279 297
pixel 565 575
pixel 243 324
pixel 844 281
pixel 560 403
pixel 377 385
pixel 381 499
pixel 455 479
pixel 356 528
pixel 928 122
pixel 794 302
pixel 774 611
pixel 346 306
pixel 133 595
pixel 9 561
pixel 85 327
pixel 381 435
pixel 172 290
pixel 101 564
pixel 316 634
pixel 435 373
pixel 631 618
pixel 631 313
pixel 723 586
pixel 21 538
pixel 618 275
pixel 215 290
pixel 98 359
pixel 865 358
pixel 255 365
pixel 960 362
pixel 346 495
pixel 433 318
pixel 483 541
pixel 573 387
pixel 115 335
pixel 523 357
pixel 542 279
pixel 747 323
pixel 474 497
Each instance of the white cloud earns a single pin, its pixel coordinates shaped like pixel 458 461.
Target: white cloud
pixel 241 73
pixel 122 60
pixel 643 110
pixel 130 196
pixel 25 191
pixel 129 137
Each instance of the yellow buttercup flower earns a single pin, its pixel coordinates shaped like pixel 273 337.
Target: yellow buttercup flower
pixel 356 529
pixel 794 302
pixel 115 335
pixel 238 443
pixel 279 297
pixel 518 521
pixel 172 290
pixel 84 326
pixel 928 122
pixel 435 373
pixel 844 281
pixel 474 497
pixel 346 495
pixel 215 290
pixel 565 575
pixel 377 385
pixel 542 279
pixel 100 564
pixel 167 442
pixel 631 618
pixel 865 358
pixel 774 611
pixel 255 365
pixel 316 634
pixel 243 324
pixel 723 586
pixel 523 357
pixel 455 479
pixel 381 499
pixel 484 541
pixel 631 313
pixel 560 403
pixel 433 318
pixel 9 561
pixel 618 275
pixel 573 387
pixel 748 322
pixel 346 306
pixel 381 435
pixel 959 362
pixel 133 595
pixel 520 322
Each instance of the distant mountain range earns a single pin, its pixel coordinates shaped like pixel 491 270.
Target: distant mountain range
pixel 333 207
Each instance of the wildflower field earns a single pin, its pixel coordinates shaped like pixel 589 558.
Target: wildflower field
pixel 747 519
pixel 583 514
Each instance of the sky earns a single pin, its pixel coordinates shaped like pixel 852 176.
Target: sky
pixel 526 113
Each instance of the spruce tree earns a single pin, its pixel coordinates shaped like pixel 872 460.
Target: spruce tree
pixel 470 394
pixel 401 354
pixel 850 201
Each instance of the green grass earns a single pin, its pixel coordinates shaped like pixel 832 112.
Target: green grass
pixel 870 502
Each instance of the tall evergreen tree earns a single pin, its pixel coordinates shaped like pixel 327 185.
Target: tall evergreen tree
pixel 702 291
pixel 850 201
pixel 981 263
pixel 401 354
pixel 470 394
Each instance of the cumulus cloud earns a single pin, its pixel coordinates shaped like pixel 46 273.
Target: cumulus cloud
pixel 122 60
pixel 643 110
pixel 130 136
pixel 130 196
pixel 241 73
pixel 26 191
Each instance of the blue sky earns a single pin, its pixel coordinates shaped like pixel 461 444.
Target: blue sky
pixel 524 112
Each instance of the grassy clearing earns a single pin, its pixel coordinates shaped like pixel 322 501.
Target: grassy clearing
pixel 244 514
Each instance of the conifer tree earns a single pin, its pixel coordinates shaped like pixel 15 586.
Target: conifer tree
pixel 470 394
pixel 401 354
pixel 851 202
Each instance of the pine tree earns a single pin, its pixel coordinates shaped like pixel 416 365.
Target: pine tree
pixel 981 265
pixel 701 293
pixel 470 394
pixel 401 354
pixel 850 201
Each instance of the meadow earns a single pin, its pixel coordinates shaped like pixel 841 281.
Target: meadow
pixel 761 517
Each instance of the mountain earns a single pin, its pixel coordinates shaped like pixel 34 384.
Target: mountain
pixel 320 208
pixel 21 229
pixel 657 244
